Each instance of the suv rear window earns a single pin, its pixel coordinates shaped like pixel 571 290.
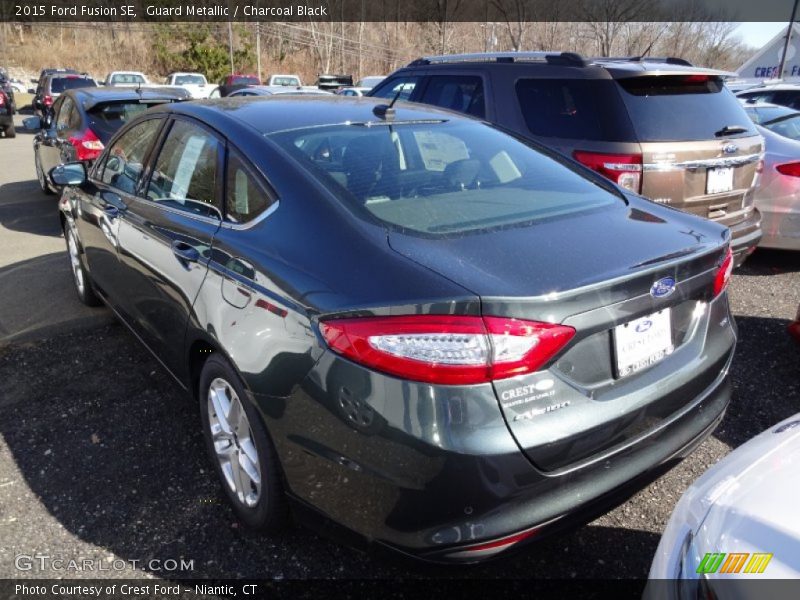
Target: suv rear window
pixel 574 109
pixel 667 108
pixel 60 84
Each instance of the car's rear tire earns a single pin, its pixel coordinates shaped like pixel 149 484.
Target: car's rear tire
pixel 240 448
pixel 80 277
pixel 10 132
pixel 40 174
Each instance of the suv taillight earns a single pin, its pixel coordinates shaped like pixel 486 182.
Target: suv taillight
pixel 723 274
pixel 623 169
pixel 48 100
pixel 2 98
pixel 792 169
pixel 87 147
pixel 445 349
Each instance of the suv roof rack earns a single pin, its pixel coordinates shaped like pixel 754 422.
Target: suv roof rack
pixel 556 58
pixel 670 60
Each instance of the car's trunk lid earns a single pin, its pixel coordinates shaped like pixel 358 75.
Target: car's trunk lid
pixel 593 272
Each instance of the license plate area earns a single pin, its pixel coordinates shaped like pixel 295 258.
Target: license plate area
pixel 719 180
pixel 643 342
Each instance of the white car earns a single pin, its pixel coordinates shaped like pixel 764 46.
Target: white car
pixel 195 83
pixel 126 79
pixel 353 91
pixel 739 521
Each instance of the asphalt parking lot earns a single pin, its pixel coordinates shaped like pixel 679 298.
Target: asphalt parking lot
pixel 101 455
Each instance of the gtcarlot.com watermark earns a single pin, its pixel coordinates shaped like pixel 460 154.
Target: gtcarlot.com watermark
pixel 57 563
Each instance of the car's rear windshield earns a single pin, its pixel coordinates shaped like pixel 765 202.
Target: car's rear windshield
pixel 240 80
pixel 665 108
pixel 575 109
pixel 189 80
pixel 60 84
pixel 765 114
pixel 441 178
pixel 128 78
pixel 106 118
pixel 285 81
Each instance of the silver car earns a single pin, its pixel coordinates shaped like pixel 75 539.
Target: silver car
pixel 777 196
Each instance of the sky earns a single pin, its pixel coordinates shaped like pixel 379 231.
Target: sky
pixel 758 34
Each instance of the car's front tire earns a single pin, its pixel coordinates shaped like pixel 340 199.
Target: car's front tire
pixel 40 174
pixel 240 448
pixel 80 277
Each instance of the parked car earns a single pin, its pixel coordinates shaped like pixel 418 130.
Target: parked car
pixel 658 127
pixel 289 80
pixel 370 81
pixel 83 120
pixel 443 338
pixel 235 82
pixel 353 91
pixel 777 196
pixel 737 522
pixel 54 84
pixel 126 79
pixel 785 94
pixel 7 114
pixel 266 90
pixel 195 83
pixel 331 83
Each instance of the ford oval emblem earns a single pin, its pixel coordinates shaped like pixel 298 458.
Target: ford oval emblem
pixel 663 287
pixel 644 326
pixel 730 148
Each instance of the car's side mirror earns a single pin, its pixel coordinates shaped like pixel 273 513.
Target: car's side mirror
pixel 32 124
pixel 73 173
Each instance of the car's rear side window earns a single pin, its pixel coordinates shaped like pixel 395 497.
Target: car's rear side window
pixel 578 109
pixel 462 93
pixel 398 87
pixel 245 199
pixel 665 108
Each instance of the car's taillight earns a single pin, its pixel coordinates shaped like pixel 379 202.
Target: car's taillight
pixel 2 99
pixel 792 169
pixel 48 100
pixel 87 147
pixel 723 275
pixel 623 169
pixel 445 349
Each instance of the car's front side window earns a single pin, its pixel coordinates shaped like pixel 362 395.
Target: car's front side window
pixel 185 174
pixel 124 161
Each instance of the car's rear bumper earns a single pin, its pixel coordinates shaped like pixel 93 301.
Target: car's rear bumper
pixel 433 472
pixel 745 236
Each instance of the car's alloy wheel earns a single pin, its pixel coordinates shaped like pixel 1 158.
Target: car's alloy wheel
pixel 240 447
pixel 233 442
pixel 40 174
pixel 83 285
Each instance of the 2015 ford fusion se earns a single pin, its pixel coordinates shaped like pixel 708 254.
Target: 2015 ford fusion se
pixel 447 340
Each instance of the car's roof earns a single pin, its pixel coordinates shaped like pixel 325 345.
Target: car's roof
pixel 91 96
pixel 269 114
pixel 583 66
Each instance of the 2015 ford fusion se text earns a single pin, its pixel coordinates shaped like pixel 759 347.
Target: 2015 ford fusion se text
pixel 444 339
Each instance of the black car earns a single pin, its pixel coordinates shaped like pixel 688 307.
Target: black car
pixel 445 339
pixel 82 121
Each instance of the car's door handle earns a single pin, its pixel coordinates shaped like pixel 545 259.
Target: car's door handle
pixel 185 251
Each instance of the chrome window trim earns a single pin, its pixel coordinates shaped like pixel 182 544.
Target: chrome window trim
pixel 706 163
pixel 253 222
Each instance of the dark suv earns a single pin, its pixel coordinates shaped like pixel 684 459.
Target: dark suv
pixel 7 107
pixel 53 83
pixel 659 127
